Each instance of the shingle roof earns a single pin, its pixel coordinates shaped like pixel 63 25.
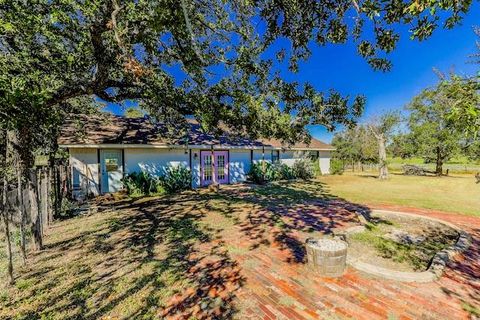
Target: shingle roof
pixel 112 129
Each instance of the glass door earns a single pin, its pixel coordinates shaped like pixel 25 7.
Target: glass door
pixel 206 168
pixel 221 166
pixel 214 167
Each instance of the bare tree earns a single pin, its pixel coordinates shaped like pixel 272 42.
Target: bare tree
pixel 381 128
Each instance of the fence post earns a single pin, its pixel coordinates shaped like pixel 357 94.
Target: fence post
pixel 49 195
pixel 44 199
pixel 35 210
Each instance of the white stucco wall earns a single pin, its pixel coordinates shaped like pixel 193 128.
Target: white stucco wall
pixel 195 168
pixel 289 156
pixel 324 160
pixel 154 161
pixel 84 165
pixel 239 165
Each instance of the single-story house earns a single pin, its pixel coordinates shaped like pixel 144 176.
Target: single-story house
pixel 103 149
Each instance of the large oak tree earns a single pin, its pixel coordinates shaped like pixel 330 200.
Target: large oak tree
pixel 199 57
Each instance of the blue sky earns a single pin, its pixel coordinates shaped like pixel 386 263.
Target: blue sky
pixel 339 67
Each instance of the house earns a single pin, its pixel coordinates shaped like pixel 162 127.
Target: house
pixel 103 148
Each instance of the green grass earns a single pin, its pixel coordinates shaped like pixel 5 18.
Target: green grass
pixel 458 194
pixel 416 255
pixel 455 165
pixel 135 258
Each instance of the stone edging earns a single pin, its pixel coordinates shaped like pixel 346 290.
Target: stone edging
pixel 439 261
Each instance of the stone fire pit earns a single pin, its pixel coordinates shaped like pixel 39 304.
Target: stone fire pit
pixel 327 256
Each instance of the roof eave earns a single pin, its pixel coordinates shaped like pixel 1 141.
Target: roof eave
pixel 177 146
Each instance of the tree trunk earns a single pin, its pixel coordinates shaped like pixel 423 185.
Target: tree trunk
pixel 382 158
pixel 36 215
pixel 22 213
pixel 6 225
pixel 439 163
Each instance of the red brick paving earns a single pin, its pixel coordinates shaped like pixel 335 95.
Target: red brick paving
pixel 277 287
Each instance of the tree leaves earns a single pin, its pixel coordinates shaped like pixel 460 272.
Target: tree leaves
pixel 206 58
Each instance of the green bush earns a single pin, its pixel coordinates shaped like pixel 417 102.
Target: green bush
pixel 176 179
pixel 286 172
pixel 140 183
pixel 262 172
pixel 303 169
pixel 336 166
pixel 316 167
pixel 256 174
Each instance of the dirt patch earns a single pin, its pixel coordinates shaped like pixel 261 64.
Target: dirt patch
pixel 401 243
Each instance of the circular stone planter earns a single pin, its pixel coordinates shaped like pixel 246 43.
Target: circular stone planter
pixel 437 266
pixel 327 256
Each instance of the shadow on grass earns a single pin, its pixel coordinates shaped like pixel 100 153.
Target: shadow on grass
pixel 151 261
pixel 157 258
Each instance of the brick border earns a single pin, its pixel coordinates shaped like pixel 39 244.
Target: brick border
pixel 439 261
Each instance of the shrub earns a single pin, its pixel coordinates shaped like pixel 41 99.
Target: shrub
pixel 303 169
pixel 176 179
pixel 336 166
pixel 256 173
pixel 286 172
pixel 140 183
pixel 273 172
pixel 316 167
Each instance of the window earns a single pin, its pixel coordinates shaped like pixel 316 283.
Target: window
pixel 111 164
pixel 275 156
pixel 207 167
pixel 221 167
pixel 76 179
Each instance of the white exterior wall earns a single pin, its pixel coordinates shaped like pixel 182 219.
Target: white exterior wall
pixel 239 165
pixel 154 161
pixel 324 160
pixel 84 164
pixel 258 156
pixel 195 168
pixel 289 157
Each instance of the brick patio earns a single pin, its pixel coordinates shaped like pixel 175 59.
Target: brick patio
pixel 278 286
pixel 236 254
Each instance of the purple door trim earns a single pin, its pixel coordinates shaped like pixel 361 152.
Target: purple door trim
pixel 215 174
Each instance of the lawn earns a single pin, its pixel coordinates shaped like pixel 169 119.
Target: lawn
pixel 456 193
pixel 207 255
pixel 461 165
pixel 166 256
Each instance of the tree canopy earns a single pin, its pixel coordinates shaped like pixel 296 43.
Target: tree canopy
pixel 203 58
pixel 434 136
pixel 133 113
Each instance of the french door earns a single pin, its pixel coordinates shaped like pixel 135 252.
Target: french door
pixel 214 167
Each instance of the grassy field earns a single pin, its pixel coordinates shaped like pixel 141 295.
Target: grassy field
pixel 457 193
pixel 459 165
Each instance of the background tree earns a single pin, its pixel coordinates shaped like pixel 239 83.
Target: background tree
pixel 355 146
pixel 436 138
pixel 382 128
pixel 466 110
pixel 133 113
pixel 402 146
